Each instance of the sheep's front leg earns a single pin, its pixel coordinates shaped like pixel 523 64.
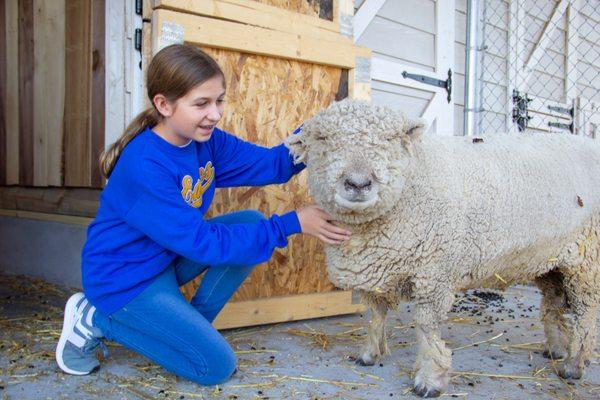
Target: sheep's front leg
pixel 434 359
pixel 376 345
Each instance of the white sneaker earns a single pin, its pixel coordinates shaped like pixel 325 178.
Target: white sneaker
pixel 79 340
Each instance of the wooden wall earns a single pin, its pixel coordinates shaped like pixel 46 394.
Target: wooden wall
pixel 52 92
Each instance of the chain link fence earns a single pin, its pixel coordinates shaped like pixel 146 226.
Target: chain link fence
pixel 538 66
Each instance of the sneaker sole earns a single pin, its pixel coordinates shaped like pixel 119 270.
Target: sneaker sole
pixel 68 325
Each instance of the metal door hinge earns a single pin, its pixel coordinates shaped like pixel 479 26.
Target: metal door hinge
pixel 447 84
pixel 561 125
pixel 562 110
pixel 520 109
pixel 138 39
pixel 139 7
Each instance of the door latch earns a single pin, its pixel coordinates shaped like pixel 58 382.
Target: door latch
pixel 520 109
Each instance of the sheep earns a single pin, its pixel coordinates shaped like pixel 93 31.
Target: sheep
pixel 433 215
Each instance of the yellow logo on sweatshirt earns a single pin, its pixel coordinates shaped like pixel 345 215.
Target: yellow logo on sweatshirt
pixel 194 196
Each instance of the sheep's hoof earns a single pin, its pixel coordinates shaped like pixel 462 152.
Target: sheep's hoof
pixel 365 363
pixel 424 391
pixel 553 355
pixel 567 371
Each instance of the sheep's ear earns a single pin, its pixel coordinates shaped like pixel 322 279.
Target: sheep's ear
pixel 412 131
pixel 415 128
pixel 295 143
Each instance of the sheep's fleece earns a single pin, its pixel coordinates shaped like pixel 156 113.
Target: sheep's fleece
pixel 432 215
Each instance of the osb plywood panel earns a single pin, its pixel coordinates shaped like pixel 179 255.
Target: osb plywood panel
pixel 267 98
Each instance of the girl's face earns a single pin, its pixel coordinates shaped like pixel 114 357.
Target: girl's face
pixel 193 116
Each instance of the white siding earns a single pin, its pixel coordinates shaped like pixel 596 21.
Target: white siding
pixel 402 31
pixel 410 101
pixel 387 37
pixel 458 78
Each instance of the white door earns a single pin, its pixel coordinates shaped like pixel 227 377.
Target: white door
pixel 395 30
pixel 124 78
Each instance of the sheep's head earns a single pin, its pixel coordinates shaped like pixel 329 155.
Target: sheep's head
pixel 357 156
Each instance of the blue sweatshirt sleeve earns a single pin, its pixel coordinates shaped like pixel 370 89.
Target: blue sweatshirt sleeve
pixel 161 213
pixel 240 163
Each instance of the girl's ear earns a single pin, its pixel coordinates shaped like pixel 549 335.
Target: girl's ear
pixel 297 146
pixel 163 106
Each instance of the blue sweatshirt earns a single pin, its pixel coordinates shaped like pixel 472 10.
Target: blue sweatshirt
pixel 152 208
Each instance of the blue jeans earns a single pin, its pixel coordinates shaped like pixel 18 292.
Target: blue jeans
pixel 161 325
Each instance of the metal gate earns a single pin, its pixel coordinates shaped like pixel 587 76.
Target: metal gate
pixel 534 65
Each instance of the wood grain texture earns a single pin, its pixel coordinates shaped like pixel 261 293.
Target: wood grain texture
pixel 26 111
pixel 317 8
pixel 219 33
pixel 98 77
pixel 288 308
pixel 49 91
pixel 81 202
pixel 78 64
pixel 3 92
pixel 264 108
pixel 12 92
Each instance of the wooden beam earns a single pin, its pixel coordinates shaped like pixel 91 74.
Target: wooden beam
pixel 78 66
pixel 286 308
pixel 147 38
pixel 80 202
pixel 3 59
pixel 359 79
pixel 98 108
pixel 63 219
pixel 115 70
pixel 343 16
pixel 26 111
pixel 49 91
pixel 255 14
pixel 250 39
pixel 365 14
pixel 12 92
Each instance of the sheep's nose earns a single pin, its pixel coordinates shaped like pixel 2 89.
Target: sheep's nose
pixel 357 184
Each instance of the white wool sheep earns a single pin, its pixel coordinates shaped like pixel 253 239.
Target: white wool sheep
pixel 434 215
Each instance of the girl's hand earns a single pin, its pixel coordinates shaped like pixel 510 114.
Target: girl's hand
pixel 314 221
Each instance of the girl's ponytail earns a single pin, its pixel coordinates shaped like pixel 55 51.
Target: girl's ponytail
pixel 109 157
pixel 173 72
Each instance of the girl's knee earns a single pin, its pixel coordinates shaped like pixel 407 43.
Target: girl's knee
pixel 219 368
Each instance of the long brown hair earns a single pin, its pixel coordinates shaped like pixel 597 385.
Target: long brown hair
pixel 173 72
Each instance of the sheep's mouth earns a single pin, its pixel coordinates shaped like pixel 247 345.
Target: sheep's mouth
pixel 355 203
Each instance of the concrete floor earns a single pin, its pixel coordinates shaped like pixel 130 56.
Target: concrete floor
pixel 300 360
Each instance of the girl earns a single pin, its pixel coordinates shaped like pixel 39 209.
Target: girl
pixel 149 236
